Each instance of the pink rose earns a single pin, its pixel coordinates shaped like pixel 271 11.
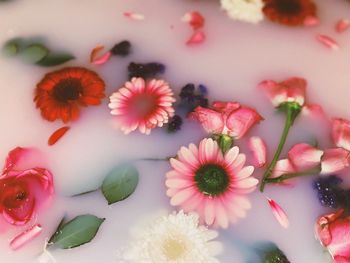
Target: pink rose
pixel 226 118
pixel 22 191
pixel 333 231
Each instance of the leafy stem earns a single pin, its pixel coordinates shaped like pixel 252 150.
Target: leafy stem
pixel 287 176
pixel 292 110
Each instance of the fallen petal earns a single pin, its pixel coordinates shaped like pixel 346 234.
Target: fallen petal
pixel 313 111
pixel 195 19
pixel 311 21
pixel 279 213
pixel 327 41
pixel 103 59
pixel 258 148
pixel 95 51
pixel 283 166
pixel 25 237
pixel 134 16
pixel 334 160
pixel 197 38
pixel 304 156
pixel 342 25
pixel 57 135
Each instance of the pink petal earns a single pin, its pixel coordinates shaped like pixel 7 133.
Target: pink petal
pixel 342 25
pixel 195 19
pixel 334 160
pixel 25 237
pixel 304 156
pixel 102 59
pixel 314 111
pixel 258 148
pixel 327 41
pixel 241 120
pixel 341 133
pixel 225 107
pixel 211 120
pixel 283 166
pixel 311 21
pixel 197 37
pixel 134 16
pixel 276 93
pixel 279 213
pixel 13 157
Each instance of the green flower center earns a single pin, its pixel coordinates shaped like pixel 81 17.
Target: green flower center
pixel 67 90
pixel 212 179
pixel 289 7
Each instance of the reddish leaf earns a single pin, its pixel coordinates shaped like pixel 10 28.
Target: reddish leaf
pixel 57 135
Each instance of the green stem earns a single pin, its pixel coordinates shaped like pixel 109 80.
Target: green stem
pixel 285 177
pixel 287 125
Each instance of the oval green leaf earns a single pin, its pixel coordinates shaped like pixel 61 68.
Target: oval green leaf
pixel 80 230
pixel 34 53
pixel 54 59
pixel 120 183
pixel 10 49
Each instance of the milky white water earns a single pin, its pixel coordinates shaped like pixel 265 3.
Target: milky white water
pixel 232 61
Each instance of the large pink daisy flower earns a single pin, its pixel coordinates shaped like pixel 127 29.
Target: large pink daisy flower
pixel 143 105
pixel 210 183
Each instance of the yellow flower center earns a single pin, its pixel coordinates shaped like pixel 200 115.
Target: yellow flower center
pixel 173 249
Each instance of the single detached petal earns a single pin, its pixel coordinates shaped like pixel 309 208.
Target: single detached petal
pixel 304 156
pixel 258 148
pixel 212 121
pixel 25 237
pixel 279 213
pixel 327 41
pixel 334 160
pixel 341 133
pixel 196 38
pixel 241 120
pixel 311 21
pixel 99 60
pixel 195 19
pixel 283 166
pixel 57 135
pixel 134 16
pixel 342 25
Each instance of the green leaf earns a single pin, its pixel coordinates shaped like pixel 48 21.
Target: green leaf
pixel 81 230
pixel 120 183
pixel 10 49
pixel 54 59
pixel 34 53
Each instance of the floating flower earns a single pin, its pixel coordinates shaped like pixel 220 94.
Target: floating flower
pixel 226 118
pixel 60 93
pixel 142 104
pixel 176 238
pixel 333 231
pixel 244 10
pixel 289 12
pixel 22 191
pixel 210 183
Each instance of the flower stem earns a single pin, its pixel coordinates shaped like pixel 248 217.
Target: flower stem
pixel 287 176
pixel 289 122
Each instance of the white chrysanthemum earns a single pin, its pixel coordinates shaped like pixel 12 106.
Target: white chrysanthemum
pixel 175 238
pixel 244 10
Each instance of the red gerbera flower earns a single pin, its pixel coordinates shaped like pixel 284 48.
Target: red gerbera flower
pixel 60 93
pixel 289 12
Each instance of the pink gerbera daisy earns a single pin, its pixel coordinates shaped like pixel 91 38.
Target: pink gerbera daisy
pixel 214 185
pixel 143 105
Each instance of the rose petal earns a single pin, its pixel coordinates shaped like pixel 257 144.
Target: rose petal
pixel 13 158
pixel 211 121
pixel 102 59
pixel 95 51
pixel 279 213
pixel 195 19
pixel 341 133
pixel 283 166
pixel 241 120
pixel 311 21
pixel 196 38
pixel 258 148
pixel 134 16
pixel 342 25
pixel 57 135
pixel 334 160
pixel 25 237
pixel 314 111
pixel 327 41
pixel 304 156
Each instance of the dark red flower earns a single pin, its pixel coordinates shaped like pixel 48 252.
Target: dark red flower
pixel 60 93
pixel 289 12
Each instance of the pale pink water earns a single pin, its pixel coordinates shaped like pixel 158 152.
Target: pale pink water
pixel 231 62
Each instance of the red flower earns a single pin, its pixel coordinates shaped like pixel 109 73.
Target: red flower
pixel 227 118
pixel 60 93
pixel 289 12
pixel 333 231
pixel 22 191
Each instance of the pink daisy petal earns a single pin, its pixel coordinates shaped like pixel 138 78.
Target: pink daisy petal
pixel 239 162
pixel 181 196
pixel 327 41
pixel 209 212
pixel 25 237
pixel 231 155
pixel 221 217
pixel 178 183
pixel 188 156
pixel 279 213
pixel 245 172
pixel 246 183
pixel 258 148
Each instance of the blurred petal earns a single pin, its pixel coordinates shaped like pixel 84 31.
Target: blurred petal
pixel 327 41
pixel 258 148
pixel 341 133
pixel 211 120
pixel 195 19
pixel 197 37
pixel 25 237
pixel 279 213
pixel 342 25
